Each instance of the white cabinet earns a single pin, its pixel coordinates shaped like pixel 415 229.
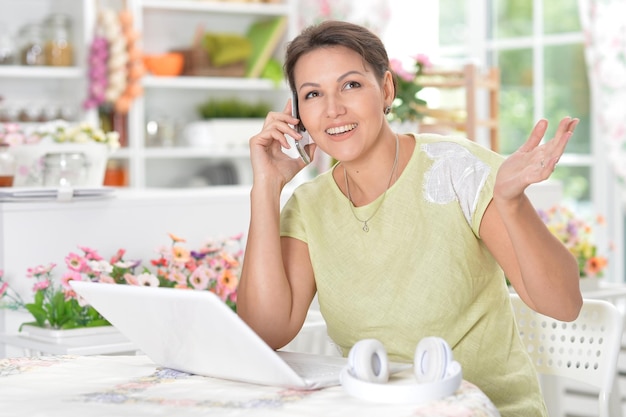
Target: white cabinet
pixel 172 102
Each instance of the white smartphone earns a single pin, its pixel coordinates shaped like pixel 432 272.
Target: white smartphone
pixel 302 145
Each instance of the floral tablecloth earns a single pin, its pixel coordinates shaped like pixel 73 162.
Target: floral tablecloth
pixel 120 386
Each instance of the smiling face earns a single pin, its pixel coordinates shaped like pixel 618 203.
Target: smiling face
pixel 341 101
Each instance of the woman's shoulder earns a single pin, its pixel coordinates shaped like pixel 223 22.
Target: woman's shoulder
pixel 433 142
pixel 427 138
pixel 316 186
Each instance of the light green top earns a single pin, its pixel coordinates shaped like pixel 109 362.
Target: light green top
pixel 421 270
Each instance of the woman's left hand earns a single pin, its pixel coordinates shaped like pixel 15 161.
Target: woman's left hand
pixel 533 162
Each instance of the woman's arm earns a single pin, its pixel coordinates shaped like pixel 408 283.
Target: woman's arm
pixel 276 285
pixel 540 268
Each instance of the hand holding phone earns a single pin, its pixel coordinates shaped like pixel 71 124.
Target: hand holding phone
pixel 302 145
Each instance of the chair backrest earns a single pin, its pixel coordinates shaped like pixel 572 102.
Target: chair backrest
pixel 584 350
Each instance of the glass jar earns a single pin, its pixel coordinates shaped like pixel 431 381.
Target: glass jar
pixel 32 45
pixel 59 50
pixel 7 46
pixel 65 169
pixel 7 166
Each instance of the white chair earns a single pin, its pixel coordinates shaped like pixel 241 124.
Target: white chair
pixel 584 350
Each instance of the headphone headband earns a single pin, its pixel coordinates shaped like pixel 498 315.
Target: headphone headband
pixel 365 377
pixel 403 393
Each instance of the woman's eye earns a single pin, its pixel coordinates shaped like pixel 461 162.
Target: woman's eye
pixel 352 84
pixel 311 94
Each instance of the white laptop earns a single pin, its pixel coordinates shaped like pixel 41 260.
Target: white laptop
pixel 195 332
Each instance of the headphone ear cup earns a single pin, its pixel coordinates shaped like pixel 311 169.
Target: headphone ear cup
pixel 368 361
pixel 432 357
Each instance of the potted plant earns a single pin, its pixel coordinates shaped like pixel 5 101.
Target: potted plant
pixel 226 124
pixel 405 109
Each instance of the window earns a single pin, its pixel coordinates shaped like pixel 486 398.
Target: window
pixel 538 46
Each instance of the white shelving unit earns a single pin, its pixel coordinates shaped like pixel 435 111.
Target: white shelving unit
pixel 44 86
pixel 164 25
pixel 171 25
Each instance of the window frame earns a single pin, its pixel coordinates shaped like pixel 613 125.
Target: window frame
pixel 604 189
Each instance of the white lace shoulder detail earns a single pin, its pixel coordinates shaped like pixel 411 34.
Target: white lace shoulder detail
pixel 456 174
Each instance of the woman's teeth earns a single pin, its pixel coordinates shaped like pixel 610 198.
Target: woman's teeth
pixel 341 129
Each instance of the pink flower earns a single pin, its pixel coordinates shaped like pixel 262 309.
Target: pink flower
pixel 398 69
pixel 178 276
pixel 3 288
pixel 117 257
pixel 423 60
pixel 75 262
pixel 70 294
pixel 192 264
pixel 41 285
pixel 39 270
pixel 130 279
pixel 69 276
pixel 200 278
pixel 105 279
pixel 15 138
pixel 90 254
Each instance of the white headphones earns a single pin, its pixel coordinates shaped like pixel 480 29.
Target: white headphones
pixel 367 373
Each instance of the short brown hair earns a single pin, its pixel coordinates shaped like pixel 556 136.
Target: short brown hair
pixel 337 33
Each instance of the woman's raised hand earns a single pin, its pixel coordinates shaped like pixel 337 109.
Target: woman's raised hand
pixel 533 162
pixel 268 159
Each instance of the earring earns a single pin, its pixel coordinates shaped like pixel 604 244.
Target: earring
pixel 387 110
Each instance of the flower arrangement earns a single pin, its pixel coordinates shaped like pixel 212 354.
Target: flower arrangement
pixel 30 144
pixel 577 235
pixel 405 106
pixel 214 267
pixel 58 131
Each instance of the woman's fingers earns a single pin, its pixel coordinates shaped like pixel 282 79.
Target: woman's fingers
pixel 535 136
pixel 556 147
pixel 548 154
pixel 268 144
pixel 279 124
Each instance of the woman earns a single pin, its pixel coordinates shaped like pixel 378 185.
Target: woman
pixel 407 236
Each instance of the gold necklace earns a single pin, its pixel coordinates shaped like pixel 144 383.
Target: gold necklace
pixel 366 228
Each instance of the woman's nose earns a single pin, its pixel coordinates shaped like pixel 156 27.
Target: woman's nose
pixel 334 107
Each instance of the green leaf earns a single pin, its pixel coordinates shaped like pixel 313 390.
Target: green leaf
pixel 39 297
pixel 38 313
pixel 98 323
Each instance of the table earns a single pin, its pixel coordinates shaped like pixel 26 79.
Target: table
pixel 98 386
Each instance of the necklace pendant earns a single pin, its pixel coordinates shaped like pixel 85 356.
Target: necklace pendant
pixel 366 228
